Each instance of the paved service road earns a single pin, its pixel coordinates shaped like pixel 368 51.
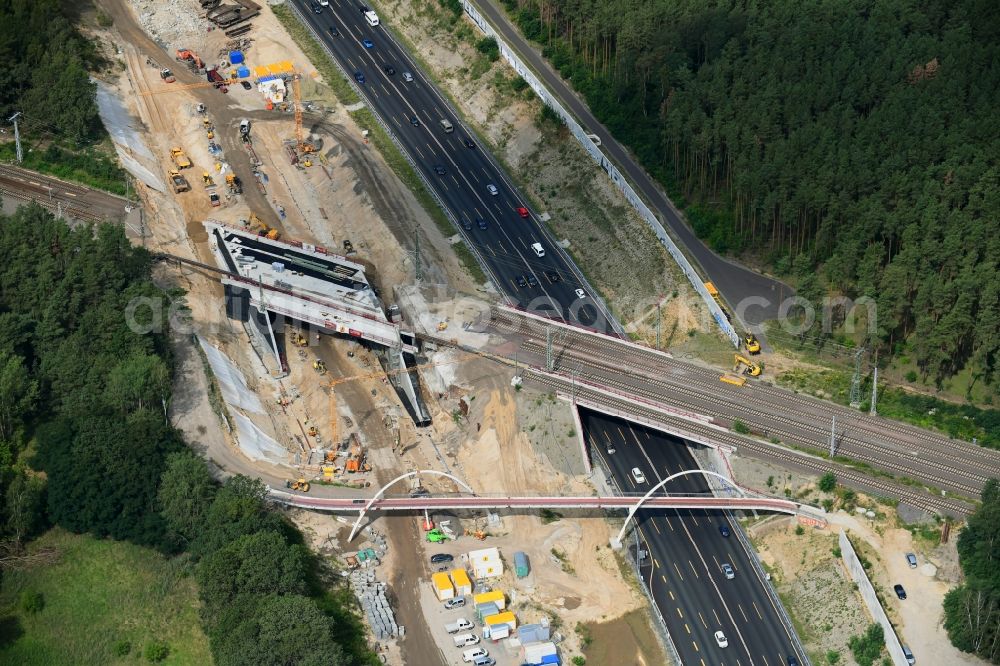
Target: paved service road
pixel 735 282
pixel 465 177
pixel 686 552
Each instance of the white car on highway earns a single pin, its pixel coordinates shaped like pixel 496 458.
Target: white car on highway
pixel 721 639
pixel 638 475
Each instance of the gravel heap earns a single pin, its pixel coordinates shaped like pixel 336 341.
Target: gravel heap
pixel 171 22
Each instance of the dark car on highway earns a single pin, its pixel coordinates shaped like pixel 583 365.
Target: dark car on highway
pixel 389 69
pixel 468 143
pixel 440 170
pixel 521 282
pixel 359 77
pixel 481 222
pixel 724 530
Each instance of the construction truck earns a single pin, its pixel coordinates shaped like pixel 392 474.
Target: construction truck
pixel 213 198
pixel 714 293
pixel 745 366
pixel 179 158
pixel 319 366
pixel 207 180
pixel 213 76
pixel 751 342
pixel 245 129
pixel 167 75
pixel 234 184
pixel 301 485
pixel 179 182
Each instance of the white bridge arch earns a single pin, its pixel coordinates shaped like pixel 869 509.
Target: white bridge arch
pixel 638 505
pixel 399 478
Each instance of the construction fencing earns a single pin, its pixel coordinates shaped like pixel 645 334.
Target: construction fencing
pixel 857 571
pixel 609 168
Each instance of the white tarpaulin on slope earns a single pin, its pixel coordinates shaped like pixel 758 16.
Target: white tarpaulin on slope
pixel 256 444
pixel 231 381
pixel 125 133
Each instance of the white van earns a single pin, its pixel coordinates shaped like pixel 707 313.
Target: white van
pixel 465 640
pixel 539 250
pixel 372 18
pixel 473 654
pixel 448 127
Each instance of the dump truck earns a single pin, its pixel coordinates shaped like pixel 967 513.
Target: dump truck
pixel 213 76
pixel 179 182
pixel 213 198
pixel 745 365
pixel 179 158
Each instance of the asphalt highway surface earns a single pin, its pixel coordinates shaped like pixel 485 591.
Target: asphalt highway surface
pixel 686 553
pixel 738 284
pixel 466 178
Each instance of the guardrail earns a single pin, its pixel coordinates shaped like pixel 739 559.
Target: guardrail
pixel 609 168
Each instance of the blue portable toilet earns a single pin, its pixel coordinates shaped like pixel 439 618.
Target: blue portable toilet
pixel 243 71
pixel 236 57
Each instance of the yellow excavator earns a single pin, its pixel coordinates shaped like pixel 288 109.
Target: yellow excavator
pixel 751 342
pixel 745 366
pixel 258 227
pixel 319 366
pixel 299 340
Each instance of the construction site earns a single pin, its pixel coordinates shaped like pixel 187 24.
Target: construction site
pixel 331 342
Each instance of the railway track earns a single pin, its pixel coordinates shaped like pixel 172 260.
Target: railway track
pixel 73 200
pixel 791 459
pixel 788 429
pixel 950 464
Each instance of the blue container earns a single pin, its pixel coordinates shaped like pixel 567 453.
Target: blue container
pixel 236 57
pixel 243 71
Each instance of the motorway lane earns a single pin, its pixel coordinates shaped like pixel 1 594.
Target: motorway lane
pixel 737 283
pixel 687 550
pixel 506 242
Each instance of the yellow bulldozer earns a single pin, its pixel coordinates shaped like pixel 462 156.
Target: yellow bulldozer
pixel 301 485
pixel 745 366
pixel 751 342
pixel 319 366
pixel 299 340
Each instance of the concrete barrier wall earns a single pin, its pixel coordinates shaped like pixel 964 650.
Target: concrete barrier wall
pixel 609 168
pixel 860 577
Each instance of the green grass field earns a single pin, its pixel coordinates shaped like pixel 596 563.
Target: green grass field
pixel 97 595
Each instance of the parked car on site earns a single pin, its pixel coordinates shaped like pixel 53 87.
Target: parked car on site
pixel 900 592
pixel 438 558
